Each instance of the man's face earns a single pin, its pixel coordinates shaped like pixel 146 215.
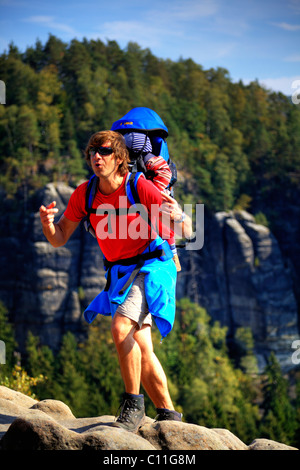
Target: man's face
pixel 103 164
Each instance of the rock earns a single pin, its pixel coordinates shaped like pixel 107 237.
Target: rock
pixel 16 398
pixel 39 433
pixel 52 285
pixel 242 279
pixel 267 444
pixel 230 440
pixel 174 435
pixel 112 438
pixel 51 425
pixel 55 408
pixel 10 411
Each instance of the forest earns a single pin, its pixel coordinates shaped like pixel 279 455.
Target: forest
pixel 236 146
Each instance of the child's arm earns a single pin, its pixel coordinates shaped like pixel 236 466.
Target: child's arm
pixel 158 172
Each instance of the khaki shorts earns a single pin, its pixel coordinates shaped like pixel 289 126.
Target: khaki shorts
pixel 135 305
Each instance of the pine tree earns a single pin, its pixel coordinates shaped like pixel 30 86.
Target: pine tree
pixel 70 385
pixel 209 390
pixel 40 360
pixel 296 440
pixel 278 421
pixel 9 342
pixel 100 366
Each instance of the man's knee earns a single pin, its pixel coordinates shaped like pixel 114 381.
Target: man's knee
pixel 144 339
pixel 122 328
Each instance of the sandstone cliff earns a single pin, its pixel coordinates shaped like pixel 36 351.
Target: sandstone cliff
pixel 239 276
pixel 27 424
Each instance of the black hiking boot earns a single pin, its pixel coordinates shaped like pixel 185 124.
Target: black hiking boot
pixel 132 414
pixel 163 414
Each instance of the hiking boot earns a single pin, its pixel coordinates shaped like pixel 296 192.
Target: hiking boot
pixel 167 415
pixel 132 414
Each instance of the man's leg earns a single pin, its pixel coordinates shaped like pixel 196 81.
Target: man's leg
pixel 138 363
pixel 129 352
pixel 131 331
pixel 153 376
pixel 132 414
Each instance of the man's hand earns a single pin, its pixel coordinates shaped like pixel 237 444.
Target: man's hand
pixel 47 215
pixel 56 233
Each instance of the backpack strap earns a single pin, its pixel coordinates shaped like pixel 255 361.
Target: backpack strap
pixel 131 193
pixel 131 187
pixel 89 198
pixel 90 193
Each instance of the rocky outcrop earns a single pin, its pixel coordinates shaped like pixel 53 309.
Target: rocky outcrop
pixel 26 424
pixel 48 287
pixel 239 276
pixel 242 280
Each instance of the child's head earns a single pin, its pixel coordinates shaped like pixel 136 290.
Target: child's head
pixel 138 143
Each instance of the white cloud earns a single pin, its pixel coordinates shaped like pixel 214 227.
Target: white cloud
pixel 125 31
pixel 49 21
pixel 229 26
pixel 288 26
pixel 192 9
pixel 285 85
pixel 146 33
pixel 39 19
pixel 293 58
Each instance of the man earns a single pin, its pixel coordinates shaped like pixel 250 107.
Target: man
pixel 132 296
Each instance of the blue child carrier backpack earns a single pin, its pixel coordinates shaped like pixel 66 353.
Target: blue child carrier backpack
pixel 149 125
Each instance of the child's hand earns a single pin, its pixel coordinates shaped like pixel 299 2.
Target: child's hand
pixel 170 207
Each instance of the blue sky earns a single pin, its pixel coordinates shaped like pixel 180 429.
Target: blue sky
pixel 252 39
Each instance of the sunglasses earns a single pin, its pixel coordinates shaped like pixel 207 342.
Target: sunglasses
pixel 104 151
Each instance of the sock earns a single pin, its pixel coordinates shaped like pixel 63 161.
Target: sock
pixel 132 395
pixel 167 410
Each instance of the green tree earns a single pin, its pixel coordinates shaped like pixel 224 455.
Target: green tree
pixel 100 366
pixel 224 181
pixel 208 388
pixel 70 386
pixel 296 440
pixel 40 360
pixel 8 338
pixel 244 352
pixel 278 421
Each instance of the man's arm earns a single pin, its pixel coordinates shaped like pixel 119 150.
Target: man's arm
pixel 58 233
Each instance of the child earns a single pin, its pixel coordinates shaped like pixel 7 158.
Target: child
pixel 156 169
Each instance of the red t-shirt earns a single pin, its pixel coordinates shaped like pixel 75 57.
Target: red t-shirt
pixel 119 236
